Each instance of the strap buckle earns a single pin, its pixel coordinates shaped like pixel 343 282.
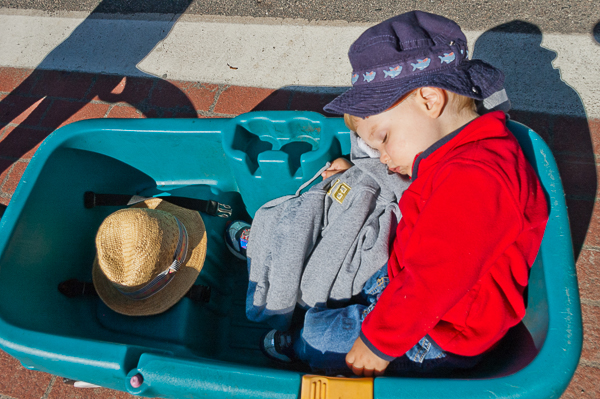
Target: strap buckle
pixel 224 210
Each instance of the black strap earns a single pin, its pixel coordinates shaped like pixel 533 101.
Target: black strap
pixel 210 207
pixel 199 293
pixel 73 288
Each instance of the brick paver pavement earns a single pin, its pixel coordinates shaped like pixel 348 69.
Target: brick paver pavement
pixel 33 103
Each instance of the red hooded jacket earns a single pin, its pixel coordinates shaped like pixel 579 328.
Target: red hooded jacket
pixel 472 223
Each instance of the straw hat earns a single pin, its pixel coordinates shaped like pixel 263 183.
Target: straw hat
pixel 148 256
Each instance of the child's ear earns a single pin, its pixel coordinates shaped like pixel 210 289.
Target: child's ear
pixel 434 100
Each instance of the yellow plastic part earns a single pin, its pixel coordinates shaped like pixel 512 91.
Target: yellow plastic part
pixel 320 387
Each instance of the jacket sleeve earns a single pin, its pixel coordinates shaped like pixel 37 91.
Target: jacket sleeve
pixel 444 245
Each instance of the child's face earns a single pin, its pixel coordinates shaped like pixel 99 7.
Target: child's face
pixel 399 134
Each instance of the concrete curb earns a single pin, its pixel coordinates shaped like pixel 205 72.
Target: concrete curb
pixel 274 53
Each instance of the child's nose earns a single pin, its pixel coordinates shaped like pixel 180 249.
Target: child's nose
pixel 384 158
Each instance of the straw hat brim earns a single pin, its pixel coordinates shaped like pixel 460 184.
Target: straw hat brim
pixel 181 282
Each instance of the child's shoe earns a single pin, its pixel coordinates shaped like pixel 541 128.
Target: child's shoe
pixel 278 346
pixel 236 238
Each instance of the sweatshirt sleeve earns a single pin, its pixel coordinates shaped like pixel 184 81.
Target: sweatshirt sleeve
pixel 441 251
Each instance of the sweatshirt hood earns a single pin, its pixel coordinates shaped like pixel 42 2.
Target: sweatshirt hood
pixel 367 159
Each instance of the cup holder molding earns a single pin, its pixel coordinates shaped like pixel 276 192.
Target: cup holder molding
pixel 279 150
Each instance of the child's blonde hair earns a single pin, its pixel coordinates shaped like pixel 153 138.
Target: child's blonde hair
pixel 457 103
pixel 350 121
pixel 460 103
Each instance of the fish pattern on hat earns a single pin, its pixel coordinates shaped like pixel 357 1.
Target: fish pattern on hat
pixel 454 54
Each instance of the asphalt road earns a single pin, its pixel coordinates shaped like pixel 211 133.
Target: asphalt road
pixel 551 16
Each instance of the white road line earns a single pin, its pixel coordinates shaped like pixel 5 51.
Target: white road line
pixel 273 53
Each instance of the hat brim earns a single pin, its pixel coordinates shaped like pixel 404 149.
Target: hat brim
pixel 181 282
pixel 473 78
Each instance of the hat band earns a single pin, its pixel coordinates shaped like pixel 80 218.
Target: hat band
pixel 450 55
pixel 164 278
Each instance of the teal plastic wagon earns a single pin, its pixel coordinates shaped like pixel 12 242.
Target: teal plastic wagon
pixel 210 350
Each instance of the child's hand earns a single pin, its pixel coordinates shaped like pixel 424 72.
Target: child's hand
pixel 337 166
pixel 362 361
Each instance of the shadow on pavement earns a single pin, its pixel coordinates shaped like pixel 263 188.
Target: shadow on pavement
pixel 545 103
pixel 300 98
pixel 59 95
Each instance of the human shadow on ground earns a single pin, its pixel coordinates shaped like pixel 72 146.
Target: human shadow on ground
pixel 549 106
pixel 300 98
pixel 97 44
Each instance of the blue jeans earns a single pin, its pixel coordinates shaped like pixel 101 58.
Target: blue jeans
pixel 328 335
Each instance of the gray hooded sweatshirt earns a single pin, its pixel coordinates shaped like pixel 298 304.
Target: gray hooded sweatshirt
pixel 324 244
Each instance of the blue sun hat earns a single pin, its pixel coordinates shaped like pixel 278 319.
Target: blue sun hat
pixel 413 50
